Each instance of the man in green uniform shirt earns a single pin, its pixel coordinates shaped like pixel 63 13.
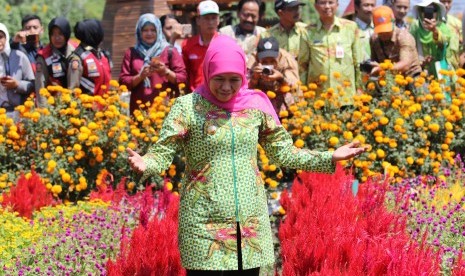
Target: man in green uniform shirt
pixel 455 26
pixel 289 30
pixel 330 53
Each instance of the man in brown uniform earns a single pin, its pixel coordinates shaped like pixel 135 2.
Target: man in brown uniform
pixel 393 43
pixel 271 69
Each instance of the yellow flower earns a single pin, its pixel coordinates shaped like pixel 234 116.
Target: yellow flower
pixel 434 127
pixel 285 89
pixel 323 78
pixel 333 141
pixel 380 153
pixel 283 114
pixel 384 121
pixel 271 94
pixel 66 177
pixel 51 100
pixel 377 112
pixel 448 126
pixel 409 160
pixel 399 121
pixel 52 164
pixel 419 123
pixel 299 143
pixel 372 156
pixel 56 189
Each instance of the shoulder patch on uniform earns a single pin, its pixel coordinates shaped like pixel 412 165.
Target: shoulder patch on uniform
pixel 74 64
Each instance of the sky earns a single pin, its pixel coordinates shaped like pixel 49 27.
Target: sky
pixel 458 6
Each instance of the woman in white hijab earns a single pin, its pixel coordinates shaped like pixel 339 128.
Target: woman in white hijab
pixel 16 76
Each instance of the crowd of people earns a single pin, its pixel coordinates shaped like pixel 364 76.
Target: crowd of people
pixel 284 54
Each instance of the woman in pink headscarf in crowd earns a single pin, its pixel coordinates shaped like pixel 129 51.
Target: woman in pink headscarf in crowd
pixel 224 228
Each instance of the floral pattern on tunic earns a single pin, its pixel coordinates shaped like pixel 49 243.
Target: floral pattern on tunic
pixel 225 238
pixel 222 181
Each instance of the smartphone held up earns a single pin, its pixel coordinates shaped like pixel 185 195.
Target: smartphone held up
pixel 428 12
pixel 186 30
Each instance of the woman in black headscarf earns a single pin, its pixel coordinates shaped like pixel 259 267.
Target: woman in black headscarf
pixel 52 59
pixel 90 66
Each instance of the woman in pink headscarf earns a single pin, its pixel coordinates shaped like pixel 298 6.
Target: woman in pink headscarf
pixel 224 227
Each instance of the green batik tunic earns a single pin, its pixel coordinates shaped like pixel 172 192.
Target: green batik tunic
pixel 222 183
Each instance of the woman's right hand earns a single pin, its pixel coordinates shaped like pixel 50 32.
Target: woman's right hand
pixel 146 71
pixel 135 161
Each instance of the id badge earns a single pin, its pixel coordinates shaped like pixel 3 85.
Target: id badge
pixel 339 51
pixel 57 69
pixel 92 70
pixel 91 66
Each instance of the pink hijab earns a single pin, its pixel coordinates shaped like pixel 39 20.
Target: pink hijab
pixel 224 55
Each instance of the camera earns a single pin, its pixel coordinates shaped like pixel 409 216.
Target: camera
pixel 366 66
pixel 32 38
pixel 267 70
pixel 428 12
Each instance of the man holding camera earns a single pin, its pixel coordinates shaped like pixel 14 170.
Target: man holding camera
pixel 271 69
pixel 28 39
pixel 393 43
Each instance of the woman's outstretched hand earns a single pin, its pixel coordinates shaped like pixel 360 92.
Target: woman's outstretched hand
pixel 136 162
pixel 348 151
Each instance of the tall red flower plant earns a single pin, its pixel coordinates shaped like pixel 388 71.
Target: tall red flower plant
pixel 153 247
pixel 28 195
pixel 338 233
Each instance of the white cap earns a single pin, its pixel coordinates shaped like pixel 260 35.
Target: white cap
pixel 425 3
pixel 207 7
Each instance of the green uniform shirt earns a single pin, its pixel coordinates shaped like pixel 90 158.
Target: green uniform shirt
pixel 222 182
pixel 453 51
pixel 289 41
pixel 325 52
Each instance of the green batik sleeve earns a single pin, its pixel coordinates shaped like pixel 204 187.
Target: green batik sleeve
pixel 160 155
pixel 279 147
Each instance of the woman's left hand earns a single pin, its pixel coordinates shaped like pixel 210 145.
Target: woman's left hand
pixel 160 68
pixel 348 151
